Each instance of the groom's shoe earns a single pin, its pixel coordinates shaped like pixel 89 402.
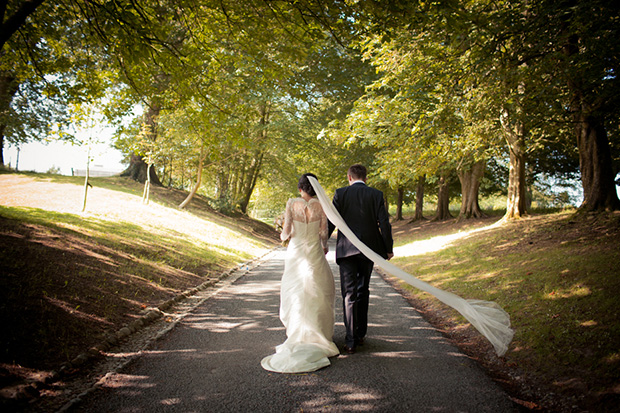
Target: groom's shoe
pixel 349 350
pixel 359 342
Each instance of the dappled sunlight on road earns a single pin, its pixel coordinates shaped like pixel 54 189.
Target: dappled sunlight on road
pixel 437 243
pixel 212 361
pixel 129 380
pixel 395 354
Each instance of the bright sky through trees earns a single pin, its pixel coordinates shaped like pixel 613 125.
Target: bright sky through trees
pixel 41 157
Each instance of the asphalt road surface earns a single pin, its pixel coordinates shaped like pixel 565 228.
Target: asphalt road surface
pixel 210 362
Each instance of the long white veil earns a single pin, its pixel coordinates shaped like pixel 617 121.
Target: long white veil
pixel 486 316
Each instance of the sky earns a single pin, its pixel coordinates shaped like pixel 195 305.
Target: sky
pixel 41 157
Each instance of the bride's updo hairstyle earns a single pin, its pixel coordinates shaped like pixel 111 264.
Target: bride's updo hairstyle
pixel 305 185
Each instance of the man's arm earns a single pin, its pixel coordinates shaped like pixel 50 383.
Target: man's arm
pixel 385 227
pixel 330 226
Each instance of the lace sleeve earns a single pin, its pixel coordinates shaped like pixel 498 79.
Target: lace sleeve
pixel 287 228
pixel 323 229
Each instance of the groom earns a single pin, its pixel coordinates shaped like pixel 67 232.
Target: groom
pixel 363 210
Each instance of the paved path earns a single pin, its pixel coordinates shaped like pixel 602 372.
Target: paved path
pixel 210 362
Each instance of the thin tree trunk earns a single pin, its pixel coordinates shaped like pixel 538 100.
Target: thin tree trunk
pixel 399 203
pixel 470 187
pixel 223 183
pixel 198 179
pixel 250 182
pixel 147 186
pixel 164 171
pixel 419 199
pixel 86 184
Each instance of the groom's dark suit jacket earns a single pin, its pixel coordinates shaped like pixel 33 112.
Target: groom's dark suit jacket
pixel 363 209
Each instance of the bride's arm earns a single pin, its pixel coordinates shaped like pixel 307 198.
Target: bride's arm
pixel 287 228
pixel 323 231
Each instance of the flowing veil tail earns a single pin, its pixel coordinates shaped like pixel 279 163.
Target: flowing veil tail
pixel 486 316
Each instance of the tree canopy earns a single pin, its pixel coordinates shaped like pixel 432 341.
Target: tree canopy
pixel 238 98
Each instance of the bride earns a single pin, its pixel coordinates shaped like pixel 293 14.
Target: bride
pixel 307 288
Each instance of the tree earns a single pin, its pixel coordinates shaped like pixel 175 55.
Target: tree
pixel 419 199
pixel 86 118
pixel 45 66
pixel 554 56
pixel 443 197
pixel 504 58
pixel 590 41
pixel 140 163
pixel 420 118
pixel 257 85
pixel 470 177
pixel 13 17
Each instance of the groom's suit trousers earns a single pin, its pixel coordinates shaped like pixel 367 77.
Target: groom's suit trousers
pixel 355 273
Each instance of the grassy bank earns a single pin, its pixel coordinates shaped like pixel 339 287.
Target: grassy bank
pixel 555 274
pixel 69 277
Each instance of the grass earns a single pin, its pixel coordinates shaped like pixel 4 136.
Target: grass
pixel 71 278
pixel 556 275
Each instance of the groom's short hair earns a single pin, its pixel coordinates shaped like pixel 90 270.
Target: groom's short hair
pixel 357 171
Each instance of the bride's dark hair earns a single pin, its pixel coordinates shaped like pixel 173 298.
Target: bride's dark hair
pixel 305 185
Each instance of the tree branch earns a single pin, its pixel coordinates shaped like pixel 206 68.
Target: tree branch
pixel 13 23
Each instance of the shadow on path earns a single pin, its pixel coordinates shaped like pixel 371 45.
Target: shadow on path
pixel 211 362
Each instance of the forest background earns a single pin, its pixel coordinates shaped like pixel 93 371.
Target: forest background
pixel 441 100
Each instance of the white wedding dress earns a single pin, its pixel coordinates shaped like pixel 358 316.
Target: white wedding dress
pixel 306 293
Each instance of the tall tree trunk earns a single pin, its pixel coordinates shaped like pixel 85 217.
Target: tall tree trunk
pixel 138 167
pixel 515 204
pixel 470 186
pixel 223 183
pixel 443 200
pixel 595 164
pixel 597 177
pixel 399 203
pixel 419 199
pixel 2 145
pixel 8 88
pixel 514 131
pixel 250 178
pixel 250 181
